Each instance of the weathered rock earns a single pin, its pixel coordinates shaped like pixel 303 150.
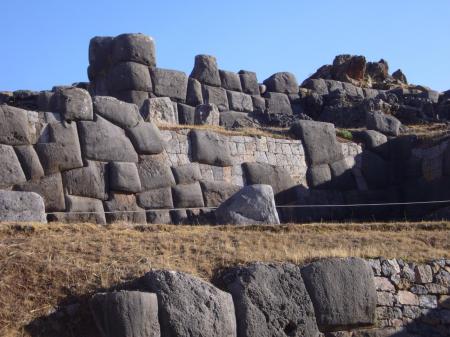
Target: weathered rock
pixel 239 101
pixel 146 138
pixel 81 209
pixel 186 114
pixel 11 172
pixel 104 141
pixel 400 76
pixel 133 47
pixel 125 115
pixel 206 114
pixel 215 95
pixel 249 82
pixel 187 174
pixel 21 206
pixel 159 109
pixel 129 76
pixel 216 192
pixel 74 104
pixel 319 85
pixel 386 124
pixel 319 141
pixel 319 176
pixel 282 82
pixel 253 204
pixel 189 306
pixel 210 148
pixel 349 67
pixel 342 291
pixel 99 55
pixel 230 80
pixel 206 70
pixel 17 127
pixel 275 176
pixel 126 313
pixel 155 172
pixel 271 301
pixel 30 161
pixel 157 198
pixel 124 177
pixel 194 94
pixel 89 181
pixel 123 207
pixel 187 196
pixel 278 103
pixel 169 83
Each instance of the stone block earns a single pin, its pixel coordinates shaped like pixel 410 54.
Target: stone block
pixel 249 82
pixel 123 208
pixel 133 96
pixel 319 176
pixel 283 82
pixel 230 80
pixel 275 176
pixel 84 210
pixel 99 55
pixel 133 47
pixel 194 95
pixel 124 177
pixel 11 172
pixel 154 172
pixel 239 101
pixel 210 148
pixel 186 114
pixel 206 114
pixel 386 124
pixel 206 70
pixel 89 181
pixel 216 192
pixel 21 206
pixel 215 95
pixel 156 198
pixel 125 115
pixel 29 160
pixel 127 76
pixel 187 174
pixel 74 104
pixel 187 196
pixel 278 104
pixel 169 83
pixel 146 138
pixel 17 126
pixel 159 110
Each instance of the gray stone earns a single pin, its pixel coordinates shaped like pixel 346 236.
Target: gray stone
pixel 129 76
pixel 386 124
pixel 133 47
pixel 155 172
pixel 271 301
pixel 342 291
pixel 216 192
pixel 206 114
pixel 159 109
pixel 372 139
pixel 230 80
pixel 278 103
pixel 210 148
pixel 89 181
pixel 189 306
pixel 319 141
pixel 161 217
pixel 423 274
pixel 104 141
pixel 11 172
pixel 342 177
pixel 50 188
pixel 375 170
pixel 187 174
pixel 99 55
pixel 125 115
pixel 126 313
pixel 187 196
pixel 259 104
pixel 123 208
pixel 169 83
pixel 239 101
pixel 157 198
pixel 74 104
pixel 319 85
pixel 262 89
pixel 215 95
pixel 30 161
pixel 249 82
pixel 206 70
pixel 146 138
pixel 253 204
pixel 17 128
pixel 282 82
pixel 186 114
pixel 83 210
pixel 124 177
pixel 21 206
pixel 133 96
pixel 276 176
pixel 236 119
pixel 319 176
pixel 194 94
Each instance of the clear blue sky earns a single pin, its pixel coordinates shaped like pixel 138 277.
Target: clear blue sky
pixel 45 42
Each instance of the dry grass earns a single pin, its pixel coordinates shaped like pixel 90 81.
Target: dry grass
pixel 42 266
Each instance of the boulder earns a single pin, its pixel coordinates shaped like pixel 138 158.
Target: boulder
pixel 187 174
pixel 386 124
pixel 124 177
pixel 230 80
pixel 189 306
pixel 278 104
pixel 215 95
pixel 282 82
pixel 99 55
pixel 319 141
pixel 146 138
pixel 276 176
pixel 253 204
pixel 30 161
pixel 125 115
pixel 74 104
pixel 206 70
pixel 155 172
pixel 186 114
pixel 11 172
pixel 123 208
pixel 104 141
pixel 187 196
pixel 17 127
pixel 216 192
pixel 319 176
pixel 249 82
pixel 81 210
pixel 159 109
pixel 133 47
pixel 210 148
pixel 271 301
pixel 129 76
pixel 89 181
pixel 157 198
pixel 169 83
pixel 126 313
pixel 206 114
pixel 239 101
pixel 21 206
pixel 342 292
pixel 194 95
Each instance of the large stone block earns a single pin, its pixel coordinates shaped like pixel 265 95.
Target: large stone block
pixel 123 208
pixel 216 192
pixel 125 115
pixel 99 55
pixel 271 300
pixel 189 306
pixel 249 82
pixel 278 104
pixel 386 124
pixel 206 114
pixel 230 80
pixel 170 83
pixel 74 104
pixel 11 172
pixel 155 172
pixel 160 109
pixel 275 176
pixel 319 176
pixel 129 76
pixel 375 170
pixel 133 47
pixel 194 95
pixel 342 292
pixel 104 141
pixel 157 198
pixel 81 209
pixel 253 204
pixel 215 95
pixel 126 314
pixel 17 126
pixel 89 181
pixel 321 86
pixel 282 82
pixel 187 174
pixel 235 119
pixel 21 206
pixel 210 148
pixel 186 114
pixel 319 141
pixel 239 101
pixel 133 96
pixel 206 70
pixel 187 196
pixel 30 162
pixel 146 138
pixel 124 177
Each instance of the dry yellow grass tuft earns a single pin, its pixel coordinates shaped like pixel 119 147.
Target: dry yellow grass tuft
pixel 42 266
